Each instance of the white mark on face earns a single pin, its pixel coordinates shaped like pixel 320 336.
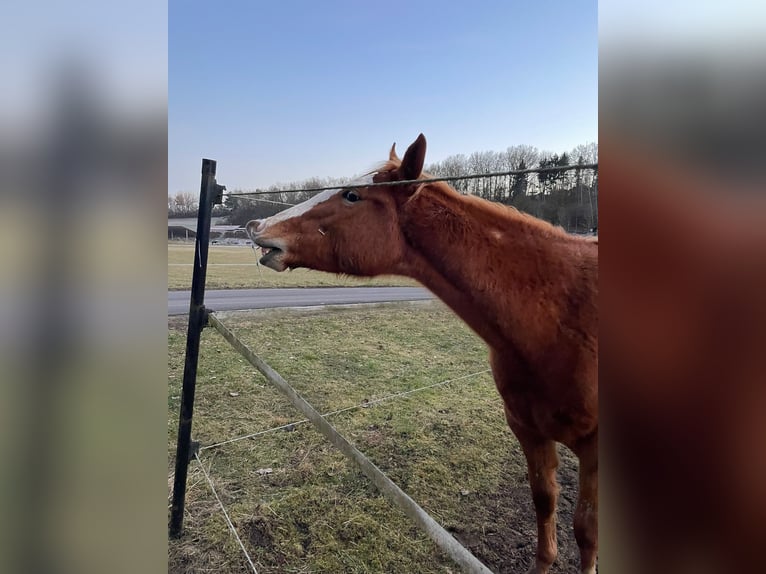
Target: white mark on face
pixel 301 208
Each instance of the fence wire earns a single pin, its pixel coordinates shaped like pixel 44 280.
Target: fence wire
pixel 441 537
pixel 225 514
pixel 351 408
pixel 556 169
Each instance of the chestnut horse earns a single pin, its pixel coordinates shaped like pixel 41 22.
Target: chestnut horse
pixel 527 288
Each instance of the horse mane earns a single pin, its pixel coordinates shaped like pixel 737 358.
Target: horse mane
pixel 488 210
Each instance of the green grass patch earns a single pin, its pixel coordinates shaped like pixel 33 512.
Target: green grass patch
pixel 234 267
pixel 448 447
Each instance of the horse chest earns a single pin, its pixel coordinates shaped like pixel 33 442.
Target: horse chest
pixel 547 412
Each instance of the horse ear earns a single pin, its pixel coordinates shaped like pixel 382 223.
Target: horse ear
pixel 414 157
pixel 392 154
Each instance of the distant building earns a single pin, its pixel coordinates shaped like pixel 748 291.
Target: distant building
pixel 185 228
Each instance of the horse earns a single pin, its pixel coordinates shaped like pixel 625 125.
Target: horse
pixel 526 287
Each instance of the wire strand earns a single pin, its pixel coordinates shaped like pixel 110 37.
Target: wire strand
pixel 590 166
pixel 226 514
pixel 346 409
pixel 261 199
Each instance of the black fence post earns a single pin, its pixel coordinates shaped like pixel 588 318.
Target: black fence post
pixel 210 194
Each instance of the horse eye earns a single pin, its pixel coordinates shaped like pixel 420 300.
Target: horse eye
pixel 351 196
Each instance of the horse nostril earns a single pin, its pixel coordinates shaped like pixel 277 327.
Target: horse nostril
pixel 254 226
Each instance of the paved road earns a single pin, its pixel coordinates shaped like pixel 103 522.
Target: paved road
pixel 235 299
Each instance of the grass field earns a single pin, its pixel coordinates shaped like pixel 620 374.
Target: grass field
pixel 298 504
pixel 234 267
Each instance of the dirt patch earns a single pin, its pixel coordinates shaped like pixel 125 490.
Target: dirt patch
pixel 258 533
pixel 500 528
pixel 192 555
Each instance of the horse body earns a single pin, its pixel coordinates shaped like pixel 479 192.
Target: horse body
pixel 528 290
pixel 525 287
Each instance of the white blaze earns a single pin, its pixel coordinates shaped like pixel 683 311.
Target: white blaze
pixel 301 208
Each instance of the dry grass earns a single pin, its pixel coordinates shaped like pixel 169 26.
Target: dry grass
pixel 448 447
pixel 234 267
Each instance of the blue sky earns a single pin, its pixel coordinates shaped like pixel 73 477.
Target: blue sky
pixel 284 90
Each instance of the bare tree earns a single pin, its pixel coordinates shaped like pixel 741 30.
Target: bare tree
pixel 182 204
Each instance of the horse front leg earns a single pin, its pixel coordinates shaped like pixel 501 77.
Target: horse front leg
pixel 586 513
pixel 542 461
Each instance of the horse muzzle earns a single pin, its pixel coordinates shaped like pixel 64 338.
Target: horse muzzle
pixel 272 250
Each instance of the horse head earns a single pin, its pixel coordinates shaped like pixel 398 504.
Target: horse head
pixel 352 230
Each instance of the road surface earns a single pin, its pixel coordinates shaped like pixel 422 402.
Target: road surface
pixel 236 299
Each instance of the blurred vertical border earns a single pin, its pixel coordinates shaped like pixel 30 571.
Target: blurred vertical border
pixel 682 204
pixel 83 166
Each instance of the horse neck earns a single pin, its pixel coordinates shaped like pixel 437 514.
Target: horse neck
pixel 484 261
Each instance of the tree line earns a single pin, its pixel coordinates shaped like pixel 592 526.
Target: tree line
pixel 185 204
pixel 565 198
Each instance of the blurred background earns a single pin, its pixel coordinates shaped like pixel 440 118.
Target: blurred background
pixel 83 156
pixel 686 79
pixel 682 102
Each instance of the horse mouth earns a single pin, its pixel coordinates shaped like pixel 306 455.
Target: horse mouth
pixel 271 256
